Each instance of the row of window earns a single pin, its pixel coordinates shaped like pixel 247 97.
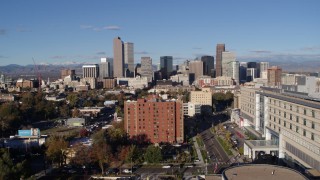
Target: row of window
pixel 297 129
pixel 297 119
pixel 290 107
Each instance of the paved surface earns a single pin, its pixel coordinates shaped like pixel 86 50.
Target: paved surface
pixel 196 145
pixel 215 152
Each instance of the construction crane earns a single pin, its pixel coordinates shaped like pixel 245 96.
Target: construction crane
pixel 38 74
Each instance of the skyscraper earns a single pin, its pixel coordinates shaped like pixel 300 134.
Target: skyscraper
pixel 146 68
pixel 166 66
pixel 227 59
pixel 220 49
pixel 264 69
pixel 274 76
pixel 243 72
pixel 90 71
pixel 196 67
pixel 235 67
pixel 104 68
pixel 118 57
pixel 129 59
pixel 208 65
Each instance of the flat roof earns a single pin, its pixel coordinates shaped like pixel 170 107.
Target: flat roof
pixel 262 144
pixel 261 172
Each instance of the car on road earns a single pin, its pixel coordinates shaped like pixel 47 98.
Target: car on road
pixel 112 171
pixel 167 166
pixel 127 171
pixel 191 165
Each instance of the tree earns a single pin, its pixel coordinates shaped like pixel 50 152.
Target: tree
pixel 102 154
pixel 73 99
pixel 153 154
pixel 9 116
pixel 9 169
pixel 64 111
pixel 134 154
pixel 56 149
pixel 82 155
pixel 75 112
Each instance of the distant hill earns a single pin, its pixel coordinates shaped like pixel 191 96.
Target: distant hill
pixel 53 70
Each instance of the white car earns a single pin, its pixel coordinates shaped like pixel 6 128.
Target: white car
pixel 166 166
pixel 127 171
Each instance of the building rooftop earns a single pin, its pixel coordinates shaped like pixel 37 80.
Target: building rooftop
pixel 261 172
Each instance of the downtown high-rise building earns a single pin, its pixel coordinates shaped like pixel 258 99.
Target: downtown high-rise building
pixel 146 68
pixel 129 59
pixel 196 68
pixel 264 66
pixel 104 68
pixel 227 59
pixel 274 76
pixel 90 71
pixel 219 50
pixel 118 57
pixel 166 66
pixel 243 72
pixel 208 65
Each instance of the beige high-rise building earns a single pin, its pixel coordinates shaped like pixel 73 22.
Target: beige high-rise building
pixel 203 97
pixel 118 57
pixel 196 67
pixel 146 68
pixel 129 58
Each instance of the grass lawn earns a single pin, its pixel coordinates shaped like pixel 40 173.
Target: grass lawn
pixel 199 141
pixel 225 145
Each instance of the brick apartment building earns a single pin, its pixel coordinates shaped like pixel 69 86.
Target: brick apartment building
pixel 160 121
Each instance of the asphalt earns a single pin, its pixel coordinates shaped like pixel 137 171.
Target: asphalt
pixel 213 147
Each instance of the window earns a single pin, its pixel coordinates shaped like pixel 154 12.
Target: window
pixel 285 115
pixel 304 132
pixel 290 126
pixel 312 125
pixel 312 136
pixel 304 111
pixel 290 116
pixel 297 129
pixel 313 114
pixel 304 122
pixel 297 119
pixel 284 123
pixel 290 107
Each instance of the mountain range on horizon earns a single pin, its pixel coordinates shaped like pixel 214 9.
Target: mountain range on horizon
pixel 49 69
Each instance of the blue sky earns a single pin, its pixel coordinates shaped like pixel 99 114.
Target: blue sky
pixel 82 31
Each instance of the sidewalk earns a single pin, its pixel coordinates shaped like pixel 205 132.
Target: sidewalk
pixel 198 151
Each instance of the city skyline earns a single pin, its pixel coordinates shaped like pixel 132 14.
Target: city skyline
pixel 60 32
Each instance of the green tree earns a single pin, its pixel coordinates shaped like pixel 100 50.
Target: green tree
pixel 134 154
pixel 73 99
pixel 9 169
pixel 56 149
pixel 9 116
pixel 153 154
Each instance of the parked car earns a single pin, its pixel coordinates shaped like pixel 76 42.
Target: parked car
pixel 112 171
pixel 127 171
pixel 166 166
